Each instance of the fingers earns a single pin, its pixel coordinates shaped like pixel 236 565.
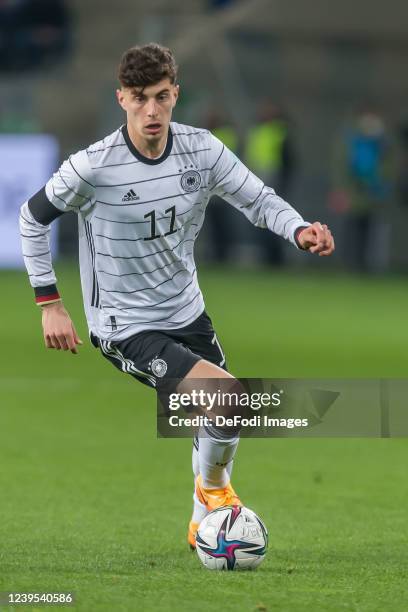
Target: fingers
pixel 57 341
pixel 67 341
pixel 330 247
pixel 63 342
pixel 319 236
pixel 49 343
pixel 324 243
pixel 328 242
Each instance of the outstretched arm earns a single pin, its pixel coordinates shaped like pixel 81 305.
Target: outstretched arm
pixel 230 179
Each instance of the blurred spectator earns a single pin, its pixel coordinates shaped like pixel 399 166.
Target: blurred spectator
pixel 269 154
pixel 362 181
pixel 221 217
pixel 32 32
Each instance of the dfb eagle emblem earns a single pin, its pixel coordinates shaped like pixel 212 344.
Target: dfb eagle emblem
pixel 191 180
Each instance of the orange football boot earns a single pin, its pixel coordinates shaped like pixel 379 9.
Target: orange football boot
pixel 192 532
pixel 216 498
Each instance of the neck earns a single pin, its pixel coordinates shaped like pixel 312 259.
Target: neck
pixel 148 148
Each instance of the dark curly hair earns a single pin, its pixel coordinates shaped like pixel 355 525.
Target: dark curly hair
pixel 146 65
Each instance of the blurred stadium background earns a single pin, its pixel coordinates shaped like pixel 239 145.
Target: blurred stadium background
pixel 317 68
pixel 76 510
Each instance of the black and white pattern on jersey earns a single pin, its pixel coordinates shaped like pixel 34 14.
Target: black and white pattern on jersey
pixel 240 187
pixel 129 163
pixel 144 273
pixel 30 222
pixel 180 214
pixel 109 152
pixel 95 285
pixel 146 254
pixel 67 206
pixel 182 225
pixel 120 144
pixel 256 199
pixel 289 209
pixel 124 204
pixel 43 274
pixel 160 303
pixel 289 220
pixel 77 173
pixel 137 256
pixel 150 288
pixel 190 152
pixel 171 257
pixel 190 133
pixel 85 198
pixel 122 239
pixel 102 145
pixel 213 187
pixel 149 180
pixel 36 254
pixel 218 158
pixel 171 321
pixel 34 235
pixel 123 320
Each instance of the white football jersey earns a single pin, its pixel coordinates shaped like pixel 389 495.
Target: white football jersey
pixel 138 222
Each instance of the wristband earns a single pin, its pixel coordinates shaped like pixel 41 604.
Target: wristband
pixel 46 295
pixel 49 301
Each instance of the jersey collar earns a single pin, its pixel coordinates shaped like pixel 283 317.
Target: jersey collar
pixel 142 158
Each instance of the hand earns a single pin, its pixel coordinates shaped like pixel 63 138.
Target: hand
pixel 59 331
pixel 316 238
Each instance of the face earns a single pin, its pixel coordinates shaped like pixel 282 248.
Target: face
pixel 149 110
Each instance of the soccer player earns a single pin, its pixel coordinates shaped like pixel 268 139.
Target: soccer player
pixel 140 195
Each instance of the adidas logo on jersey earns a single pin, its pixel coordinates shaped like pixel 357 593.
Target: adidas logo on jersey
pixel 130 196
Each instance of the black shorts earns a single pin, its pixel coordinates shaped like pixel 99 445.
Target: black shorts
pixel 156 357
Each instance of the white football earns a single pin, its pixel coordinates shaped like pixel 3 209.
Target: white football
pixel 231 538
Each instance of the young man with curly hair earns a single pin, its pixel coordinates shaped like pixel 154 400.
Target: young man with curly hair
pixel 140 195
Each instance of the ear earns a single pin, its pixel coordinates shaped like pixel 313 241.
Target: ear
pixel 121 98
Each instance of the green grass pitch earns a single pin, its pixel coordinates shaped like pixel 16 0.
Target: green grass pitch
pixel 93 502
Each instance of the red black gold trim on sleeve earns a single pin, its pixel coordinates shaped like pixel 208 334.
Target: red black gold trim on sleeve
pixel 46 295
